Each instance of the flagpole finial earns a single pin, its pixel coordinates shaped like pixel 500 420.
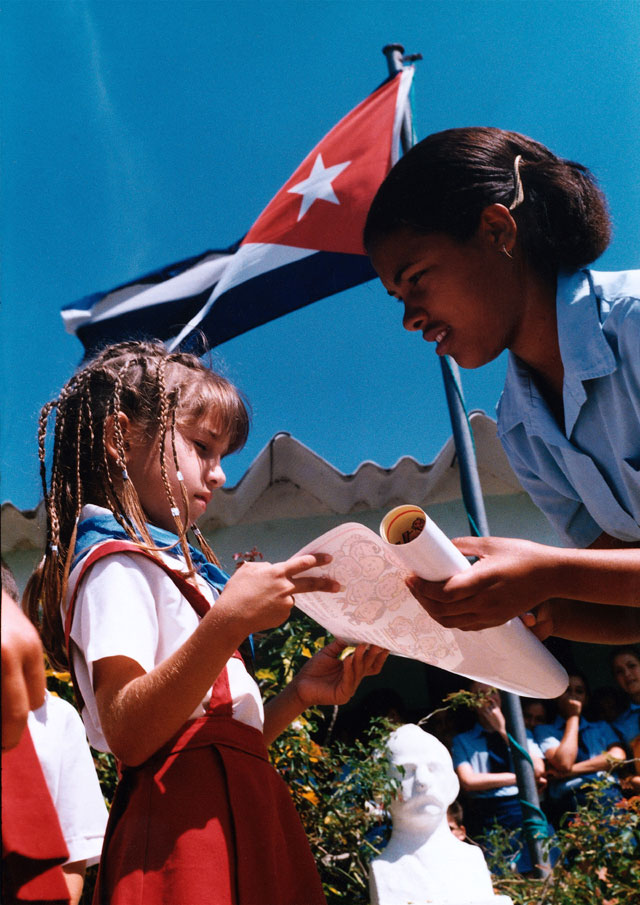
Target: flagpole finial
pixel 396 57
pixel 393 53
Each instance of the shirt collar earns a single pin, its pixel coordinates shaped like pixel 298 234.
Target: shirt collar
pixel 585 354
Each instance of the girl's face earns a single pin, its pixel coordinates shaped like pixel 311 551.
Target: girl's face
pixel 460 296
pixel 534 714
pixel 626 671
pixel 199 448
pixel 576 691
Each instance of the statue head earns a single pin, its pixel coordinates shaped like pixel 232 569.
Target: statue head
pixel 427 780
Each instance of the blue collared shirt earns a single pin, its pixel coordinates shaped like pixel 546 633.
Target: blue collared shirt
pixel 471 748
pixel 586 479
pixel 628 724
pixel 596 738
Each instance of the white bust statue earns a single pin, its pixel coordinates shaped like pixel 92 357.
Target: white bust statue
pixel 424 862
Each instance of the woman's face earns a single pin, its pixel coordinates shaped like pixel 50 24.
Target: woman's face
pixel 462 296
pixel 626 671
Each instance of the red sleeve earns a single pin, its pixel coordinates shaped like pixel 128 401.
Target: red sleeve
pixel 33 847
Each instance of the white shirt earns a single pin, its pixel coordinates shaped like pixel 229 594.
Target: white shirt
pixel 61 745
pixel 127 606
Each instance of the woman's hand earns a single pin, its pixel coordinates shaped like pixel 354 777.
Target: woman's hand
pixel 262 593
pixel 509 578
pixel 328 679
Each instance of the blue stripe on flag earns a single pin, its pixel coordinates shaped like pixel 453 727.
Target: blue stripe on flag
pixel 157 322
pixel 278 292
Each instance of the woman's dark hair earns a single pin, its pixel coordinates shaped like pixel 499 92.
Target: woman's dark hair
pixel 443 184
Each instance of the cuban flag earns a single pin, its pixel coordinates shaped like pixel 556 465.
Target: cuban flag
pixel 306 244
pixel 153 306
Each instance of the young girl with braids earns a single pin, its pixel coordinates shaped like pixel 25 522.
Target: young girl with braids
pixel 153 628
pixel 483 235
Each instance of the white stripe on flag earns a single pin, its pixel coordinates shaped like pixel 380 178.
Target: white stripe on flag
pixel 142 295
pixel 251 260
pixel 403 108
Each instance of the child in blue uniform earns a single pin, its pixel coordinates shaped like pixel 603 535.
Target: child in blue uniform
pixel 578 751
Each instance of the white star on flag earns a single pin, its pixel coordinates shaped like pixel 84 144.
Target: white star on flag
pixel 318 185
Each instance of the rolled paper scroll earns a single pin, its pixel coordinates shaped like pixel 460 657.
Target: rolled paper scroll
pixel 376 607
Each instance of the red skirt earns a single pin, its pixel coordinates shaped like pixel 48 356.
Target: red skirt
pixel 32 843
pixel 207 821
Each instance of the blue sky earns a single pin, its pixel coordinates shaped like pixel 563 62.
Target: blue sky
pixel 140 133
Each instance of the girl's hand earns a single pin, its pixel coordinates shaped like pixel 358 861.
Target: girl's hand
pixel 509 578
pixel 327 679
pixel 262 593
pixel 495 718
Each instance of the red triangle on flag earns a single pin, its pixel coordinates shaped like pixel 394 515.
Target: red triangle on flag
pixel 324 204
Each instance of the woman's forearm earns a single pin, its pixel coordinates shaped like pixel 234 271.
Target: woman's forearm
pixel 602 576
pixel 594 623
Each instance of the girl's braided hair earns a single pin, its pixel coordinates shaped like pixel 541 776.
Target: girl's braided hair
pixel 158 391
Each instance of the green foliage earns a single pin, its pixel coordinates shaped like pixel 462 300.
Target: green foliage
pixel 340 792
pixel 598 863
pixel 472 700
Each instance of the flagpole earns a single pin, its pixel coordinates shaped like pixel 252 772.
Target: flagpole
pixel 474 505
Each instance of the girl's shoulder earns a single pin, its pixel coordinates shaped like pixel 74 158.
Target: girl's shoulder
pixel 126 554
pixel 121 569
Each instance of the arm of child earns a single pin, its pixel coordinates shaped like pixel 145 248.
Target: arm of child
pixel 605 761
pixel 140 711
pixel 513 576
pixel 562 757
pixel 327 679
pixel 473 782
pixel 74 874
pixel 23 681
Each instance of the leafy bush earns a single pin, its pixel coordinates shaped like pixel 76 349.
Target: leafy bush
pixel 342 792
pixel 598 863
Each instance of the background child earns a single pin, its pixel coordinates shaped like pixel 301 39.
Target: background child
pixel 153 627
pixel 577 751
pixel 32 845
pixel 61 746
pixel 482 234
pixel 483 762
pixel 625 664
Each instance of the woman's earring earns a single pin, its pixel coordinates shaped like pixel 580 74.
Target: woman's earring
pixel 507 253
